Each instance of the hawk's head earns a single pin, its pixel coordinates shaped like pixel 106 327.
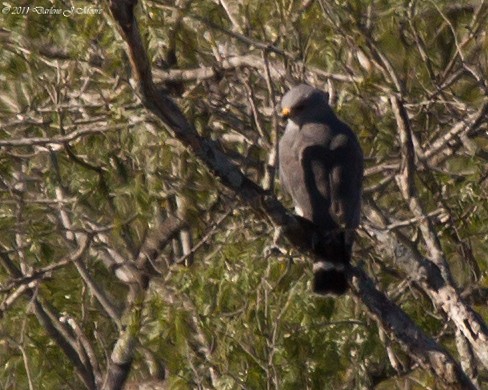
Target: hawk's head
pixel 304 103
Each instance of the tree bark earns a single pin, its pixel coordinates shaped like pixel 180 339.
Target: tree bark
pixel 299 232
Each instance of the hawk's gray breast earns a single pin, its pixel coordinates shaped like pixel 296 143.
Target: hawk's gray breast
pixel 321 167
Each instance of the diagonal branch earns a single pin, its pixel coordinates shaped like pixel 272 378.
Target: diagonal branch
pixel 59 332
pixel 399 325
pixel 442 145
pixel 299 232
pixel 446 296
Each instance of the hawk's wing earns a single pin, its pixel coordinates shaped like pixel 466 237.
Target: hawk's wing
pixel 321 168
pixel 332 163
pixel 346 179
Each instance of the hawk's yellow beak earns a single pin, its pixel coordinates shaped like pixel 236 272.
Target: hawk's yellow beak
pixel 285 112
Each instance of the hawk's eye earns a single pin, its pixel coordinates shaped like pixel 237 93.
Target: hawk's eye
pixel 299 108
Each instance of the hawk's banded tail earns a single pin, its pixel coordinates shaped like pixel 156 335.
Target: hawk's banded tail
pixel 330 271
pixel 329 278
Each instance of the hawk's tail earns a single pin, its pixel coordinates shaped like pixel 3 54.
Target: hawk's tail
pixel 330 271
pixel 329 279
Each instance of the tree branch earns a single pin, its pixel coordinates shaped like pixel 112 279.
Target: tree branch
pixel 445 296
pixel 298 232
pixel 58 331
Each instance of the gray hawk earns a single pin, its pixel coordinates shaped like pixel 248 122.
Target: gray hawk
pixel 321 167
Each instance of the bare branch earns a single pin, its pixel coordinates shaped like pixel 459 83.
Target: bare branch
pixel 49 319
pixel 297 231
pixel 39 141
pixel 399 326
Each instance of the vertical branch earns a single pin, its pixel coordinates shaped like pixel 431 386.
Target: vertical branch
pixel 19 191
pixel 124 349
pixel 466 356
pixel 269 178
pixel 82 240
pixel 406 183
pixel 123 352
pixel 446 297
pixel 184 242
